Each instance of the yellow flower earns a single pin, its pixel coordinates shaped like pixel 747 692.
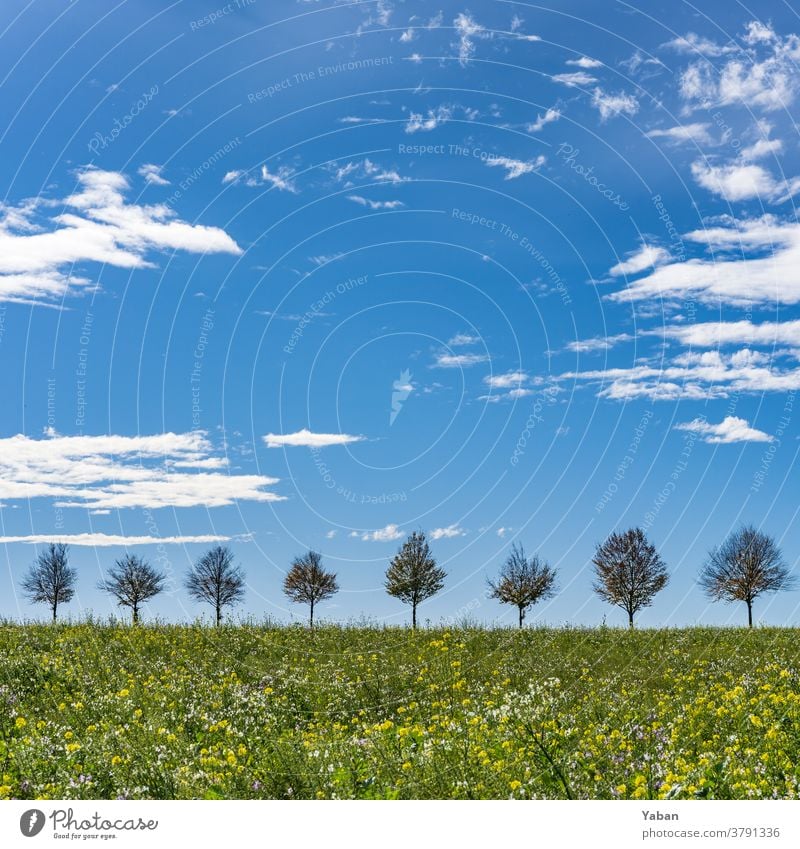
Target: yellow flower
pixel 515 785
pixel 116 760
pixel 21 722
pixel 406 766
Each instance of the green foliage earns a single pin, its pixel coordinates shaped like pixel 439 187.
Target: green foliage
pixel 413 575
pixel 100 711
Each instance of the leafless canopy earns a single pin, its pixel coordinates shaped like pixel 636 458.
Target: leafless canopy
pixel 51 580
pixel 132 581
pixel 629 571
pixel 413 575
pixel 215 580
pixel 307 582
pixel 746 565
pixel 523 581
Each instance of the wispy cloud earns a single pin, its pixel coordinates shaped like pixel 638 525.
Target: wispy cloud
pixel 306 439
pixel 550 116
pixel 376 204
pixel 102 473
pixel 445 360
pixel 102 540
pixel 515 167
pixel 280 179
pixel 611 105
pixel 417 122
pixel 39 255
pixel 467 29
pixel 697 133
pixel 574 78
pixel 753 261
pixel 648 256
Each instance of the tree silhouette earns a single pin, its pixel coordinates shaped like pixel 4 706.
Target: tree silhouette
pixel 132 581
pixel 413 575
pixel 216 581
pixel 308 583
pixel 746 565
pixel 629 571
pixel 51 580
pixel 522 581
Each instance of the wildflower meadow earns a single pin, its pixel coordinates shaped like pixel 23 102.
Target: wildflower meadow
pixel 106 711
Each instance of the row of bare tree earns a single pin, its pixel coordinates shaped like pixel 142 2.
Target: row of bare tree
pixel 629 573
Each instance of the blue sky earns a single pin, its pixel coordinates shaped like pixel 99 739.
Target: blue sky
pixel 298 275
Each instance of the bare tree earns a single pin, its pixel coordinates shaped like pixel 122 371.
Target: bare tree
pixel 629 571
pixel 746 565
pixel 51 580
pixel 413 575
pixel 216 581
pixel 132 581
pixel 308 583
pixel 523 581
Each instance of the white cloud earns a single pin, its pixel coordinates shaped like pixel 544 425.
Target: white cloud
pixel 448 533
pixel 365 169
pixel 541 121
pixel 425 123
pixel 461 339
pixel 375 204
pixel 507 380
pixel 697 133
pixel 97 539
pixel 232 176
pixel 611 105
pixel 467 29
pixel 444 360
pixel 306 439
pixel 731 429
pixel 737 182
pixel 575 78
pixel 585 62
pixel 762 73
pixel 648 256
pixel 502 532
pixel 753 261
pixel 102 473
pixel 407 35
pixel 152 174
pixel 515 167
pixel 387 534
pixel 599 343
pixel 281 179
pixel 761 149
pixel 714 334
pixel 693 43
pixel 692 375
pixel 330 535
pixel 38 256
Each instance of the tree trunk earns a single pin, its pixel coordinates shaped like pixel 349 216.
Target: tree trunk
pixel 521 615
pixel 55 609
pixel 749 614
pixel 311 617
pixel 135 614
pixel 219 615
pixel 630 619
pixel 414 615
